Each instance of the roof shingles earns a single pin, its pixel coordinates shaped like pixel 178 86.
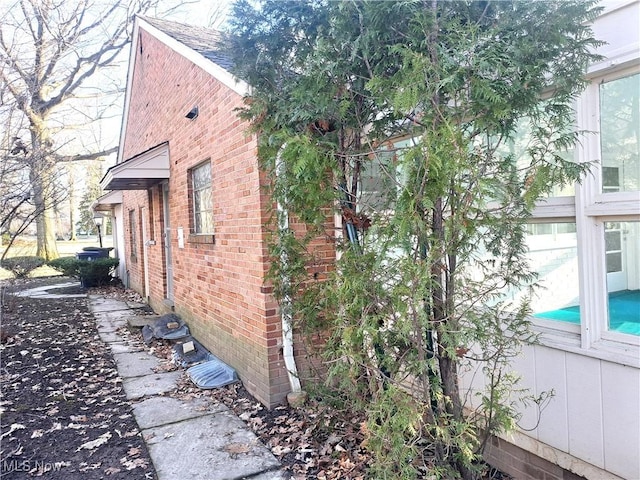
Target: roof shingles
pixel 202 40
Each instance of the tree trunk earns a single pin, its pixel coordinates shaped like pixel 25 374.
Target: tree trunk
pixel 41 182
pixel 447 366
pixel 72 204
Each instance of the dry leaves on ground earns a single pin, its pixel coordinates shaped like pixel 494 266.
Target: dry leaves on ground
pixel 64 413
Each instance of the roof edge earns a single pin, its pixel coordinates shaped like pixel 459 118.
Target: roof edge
pixel 224 76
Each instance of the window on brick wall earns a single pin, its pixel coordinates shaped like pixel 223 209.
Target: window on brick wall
pixel 133 236
pixel 202 199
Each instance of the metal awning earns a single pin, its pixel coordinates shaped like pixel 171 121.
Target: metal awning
pixel 139 172
pixel 107 202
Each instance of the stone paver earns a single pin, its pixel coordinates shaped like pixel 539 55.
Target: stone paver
pixel 107 305
pixel 213 447
pixel 136 364
pixel 110 337
pixel 158 384
pixel 124 348
pixel 111 325
pixel 108 316
pixel 158 411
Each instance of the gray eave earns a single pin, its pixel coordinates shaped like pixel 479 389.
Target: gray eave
pixel 140 172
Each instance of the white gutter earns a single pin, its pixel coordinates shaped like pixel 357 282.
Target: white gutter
pixel 285 304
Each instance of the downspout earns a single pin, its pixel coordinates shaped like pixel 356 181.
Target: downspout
pixel 285 304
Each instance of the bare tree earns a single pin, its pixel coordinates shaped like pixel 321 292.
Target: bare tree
pixel 58 67
pixel 17 207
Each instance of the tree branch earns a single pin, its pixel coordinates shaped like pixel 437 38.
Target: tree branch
pixel 85 156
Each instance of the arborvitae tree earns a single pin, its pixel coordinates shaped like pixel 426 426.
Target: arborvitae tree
pixel 398 115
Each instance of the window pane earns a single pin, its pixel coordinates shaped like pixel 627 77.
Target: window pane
pixel 133 241
pixel 613 240
pixel 524 142
pixel 553 254
pixel 378 183
pixel 202 199
pixel 622 247
pixel 202 177
pixel 614 262
pixel 619 133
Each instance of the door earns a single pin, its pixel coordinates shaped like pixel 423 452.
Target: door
pixel 166 239
pixel 614 239
pixel 144 221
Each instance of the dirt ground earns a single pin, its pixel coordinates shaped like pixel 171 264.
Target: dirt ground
pixel 64 413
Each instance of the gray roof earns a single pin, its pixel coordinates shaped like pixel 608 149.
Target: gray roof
pixel 205 41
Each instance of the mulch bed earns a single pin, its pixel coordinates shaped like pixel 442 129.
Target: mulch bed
pixel 64 413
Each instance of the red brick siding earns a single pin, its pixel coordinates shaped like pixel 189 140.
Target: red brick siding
pixel 218 288
pixel 523 465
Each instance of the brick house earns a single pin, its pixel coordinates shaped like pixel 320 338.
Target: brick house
pixel 183 147
pixel 188 205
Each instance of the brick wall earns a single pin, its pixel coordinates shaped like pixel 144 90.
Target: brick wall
pixel 523 465
pixel 219 288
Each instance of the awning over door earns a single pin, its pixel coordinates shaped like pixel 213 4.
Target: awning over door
pixel 140 172
pixel 107 202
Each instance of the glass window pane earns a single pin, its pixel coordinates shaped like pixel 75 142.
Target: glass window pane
pixel 206 199
pixel 623 276
pixel 619 134
pixel 613 240
pixel 202 199
pixel 520 146
pixel 614 262
pixel 197 201
pixel 554 256
pixel 378 183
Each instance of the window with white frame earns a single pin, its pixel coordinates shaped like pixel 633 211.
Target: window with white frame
pixel 619 130
pixel 584 243
pixel 202 199
pixel 586 249
pixel 615 212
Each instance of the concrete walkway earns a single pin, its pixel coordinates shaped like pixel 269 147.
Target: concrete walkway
pixel 187 439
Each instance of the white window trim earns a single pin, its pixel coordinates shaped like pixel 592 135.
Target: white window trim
pixel 591 210
pixel 193 200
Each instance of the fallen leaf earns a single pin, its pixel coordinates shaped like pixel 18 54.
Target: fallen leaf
pixel 237 448
pixel 101 440
pixel 135 463
pixel 13 428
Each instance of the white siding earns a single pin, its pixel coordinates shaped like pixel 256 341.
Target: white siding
pixel 593 417
pixel 551 375
pixel 584 381
pixel 620 390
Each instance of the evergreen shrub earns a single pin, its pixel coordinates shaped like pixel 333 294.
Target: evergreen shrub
pixel 92 273
pixel 21 267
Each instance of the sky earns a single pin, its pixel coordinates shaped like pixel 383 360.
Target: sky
pixel 203 13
